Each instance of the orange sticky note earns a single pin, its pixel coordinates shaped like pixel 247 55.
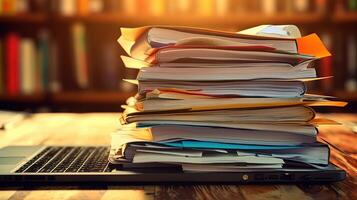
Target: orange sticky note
pixel 312 45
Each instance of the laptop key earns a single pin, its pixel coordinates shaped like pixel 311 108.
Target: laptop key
pixel 42 161
pixel 33 160
pixel 81 158
pixel 56 160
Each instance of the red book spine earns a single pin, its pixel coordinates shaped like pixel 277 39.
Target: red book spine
pixel 326 70
pixel 326 65
pixel 12 64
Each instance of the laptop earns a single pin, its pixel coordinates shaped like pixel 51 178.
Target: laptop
pixel 89 164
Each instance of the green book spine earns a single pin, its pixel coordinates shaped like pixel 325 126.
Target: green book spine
pixel 44 59
pixel 352 5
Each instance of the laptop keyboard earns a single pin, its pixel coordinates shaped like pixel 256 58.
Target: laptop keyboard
pixel 68 159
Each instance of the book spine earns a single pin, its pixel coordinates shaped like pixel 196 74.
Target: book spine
pixel 54 79
pixel 28 55
pixel 82 7
pixel 2 68
pixel 321 6
pixel 352 5
pixel 12 64
pixel 8 6
pixel 129 7
pixel 142 7
pixel 41 6
pixel 180 6
pixel 301 5
pixel 340 6
pixel 109 72
pixel 67 7
pixel 269 7
pixel 22 6
pixel 351 82
pixel 157 7
pixel 80 55
pixel 96 6
pixel 205 7
pixel 43 50
pixel 326 65
pixel 222 7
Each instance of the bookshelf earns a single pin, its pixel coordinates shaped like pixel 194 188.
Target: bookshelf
pixel 33 98
pixel 229 21
pixel 24 18
pixel 345 17
pixel 101 29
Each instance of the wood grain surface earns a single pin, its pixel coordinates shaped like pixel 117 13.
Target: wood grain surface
pixel 95 129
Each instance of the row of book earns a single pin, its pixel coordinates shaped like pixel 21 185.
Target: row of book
pixel 162 7
pixel 216 101
pixel 221 7
pixel 95 64
pixel 30 64
pixel 348 5
pixel 11 7
pixel 167 7
pixel 343 65
pixel 24 64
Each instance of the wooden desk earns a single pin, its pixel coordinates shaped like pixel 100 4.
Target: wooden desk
pixel 95 128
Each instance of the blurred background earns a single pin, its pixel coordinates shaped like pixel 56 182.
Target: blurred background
pixel 62 55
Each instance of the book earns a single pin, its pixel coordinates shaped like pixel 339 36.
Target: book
pixel 2 68
pixel 326 66
pixel 42 6
pixel 351 82
pixel 12 46
pixel 301 5
pixel 54 83
pixel 205 7
pixel 96 6
pixel 80 55
pixel 82 7
pixel 129 7
pixel 44 59
pixel 352 5
pixel 67 7
pixel 28 66
pixel 269 7
pixel 222 7
pixel 22 6
pixel 157 7
pixel 8 6
pixel 180 7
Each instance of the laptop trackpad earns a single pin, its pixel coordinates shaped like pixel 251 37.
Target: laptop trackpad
pixel 10 160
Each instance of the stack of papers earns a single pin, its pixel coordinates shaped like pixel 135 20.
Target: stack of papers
pixel 211 100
